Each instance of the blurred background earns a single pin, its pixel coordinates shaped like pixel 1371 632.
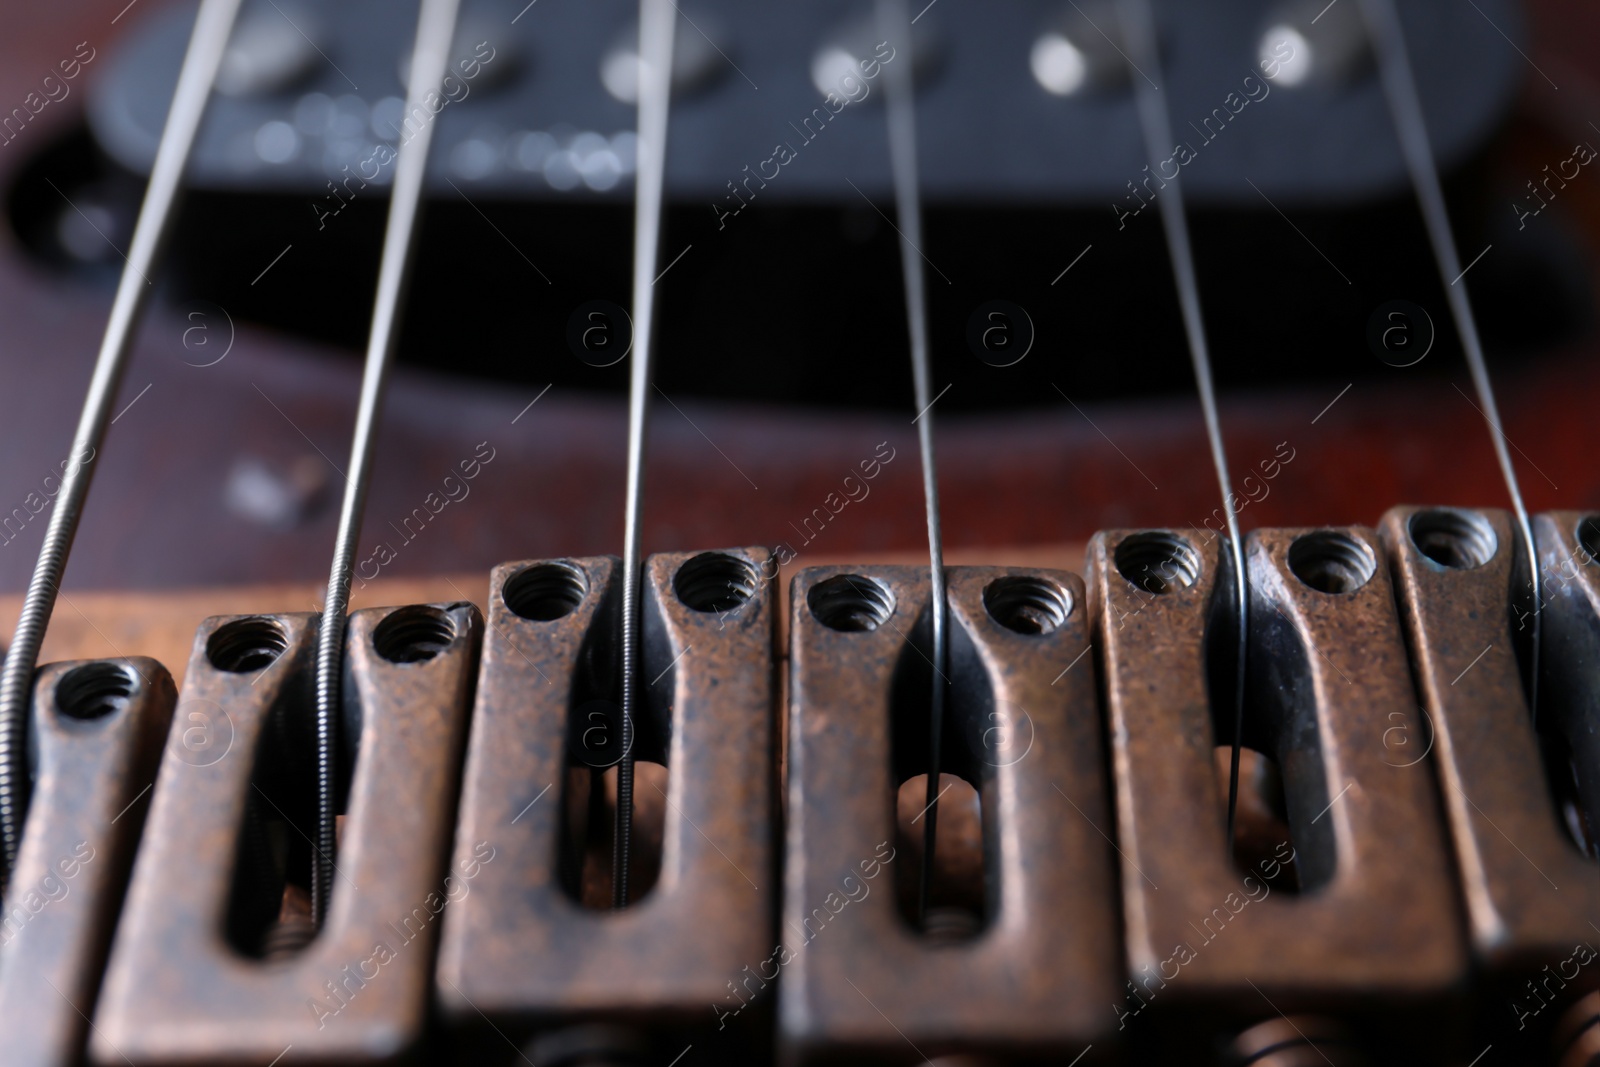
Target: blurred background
pixel 1066 403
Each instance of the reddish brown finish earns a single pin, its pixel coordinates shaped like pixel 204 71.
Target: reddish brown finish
pixel 175 991
pixel 864 987
pixel 1037 476
pixel 83 826
pixel 520 950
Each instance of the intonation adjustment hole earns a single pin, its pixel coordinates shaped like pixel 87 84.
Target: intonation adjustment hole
pixel 1157 561
pixel 851 603
pixel 1332 562
pixel 545 592
pixel 94 690
pixel 246 646
pixel 715 581
pixel 1588 535
pixel 1025 604
pixel 413 635
pixel 1459 540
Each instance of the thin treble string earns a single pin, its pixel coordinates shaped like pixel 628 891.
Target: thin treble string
pixel 212 26
pixel 894 24
pixel 655 99
pixel 1138 26
pixel 429 60
pixel 1400 87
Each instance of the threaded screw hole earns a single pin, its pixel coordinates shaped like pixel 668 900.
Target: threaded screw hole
pixel 413 635
pixel 1332 562
pixel 850 603
pixel 715 582
pixel 1157 561
pixel 545 592
pixel 94 691
pixel 1026 604
pixel 246 645
pixel 1459 540
pixel 1588 535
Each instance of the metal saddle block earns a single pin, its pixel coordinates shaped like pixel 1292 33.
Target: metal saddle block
pixel 1530 894
pixel 859 982
pixel 1569 725
pixel 1461 579
pixel 1570 684
pixel 97 730
pixel 1221 944
pixel 524 955
pixel 181 988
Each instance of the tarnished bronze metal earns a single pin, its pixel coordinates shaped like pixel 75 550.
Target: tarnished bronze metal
pixel 1577 1036
pixel 859 984
pixel 177 991
pixel 1569 709
pixel 1295 1041
pixel 523 953
pixel 1376 924
pixel 1530 894
pixel 97 730
pixel 1569 702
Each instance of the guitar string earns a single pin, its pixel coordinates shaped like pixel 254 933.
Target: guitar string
pixel 1405 108
pixel 1138 26
pixel 894 24
pixel 430 59
pixel 207 40
pixel 656 33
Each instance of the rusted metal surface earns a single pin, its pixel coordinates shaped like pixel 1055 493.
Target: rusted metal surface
pixel 1578 1034
pixel 97 729
pixel 1530 894
pixel 858 983
pixel 522 953
pixel 1367 955
pixel 1377 927
pixel 176 990
pixel 1569 710
pixel 1297 1041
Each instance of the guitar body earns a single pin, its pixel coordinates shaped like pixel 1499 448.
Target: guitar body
pixel 1081 516
pixel 792 400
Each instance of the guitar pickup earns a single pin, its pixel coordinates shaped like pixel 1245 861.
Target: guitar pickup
pixel 535 947
pixel 1341 892
pixel 214 962
pixel 1025 961
pixel 97 728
